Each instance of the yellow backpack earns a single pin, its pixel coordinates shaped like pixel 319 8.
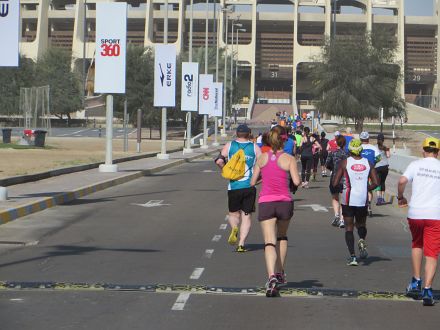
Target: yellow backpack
pixel 235 168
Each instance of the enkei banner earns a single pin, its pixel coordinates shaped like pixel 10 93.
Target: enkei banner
pixel 190 86
pixel 165 76
pixel 218 99
pixel 206 97
pixel 111 37
pixel 9 32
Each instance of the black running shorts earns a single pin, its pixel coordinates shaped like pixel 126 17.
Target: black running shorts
pixel 278 210
pixel 242 200
pixel 335 190
pixel 354 211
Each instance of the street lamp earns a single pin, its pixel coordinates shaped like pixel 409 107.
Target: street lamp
pixel 205 117
pixel 238 25
pixel 225 11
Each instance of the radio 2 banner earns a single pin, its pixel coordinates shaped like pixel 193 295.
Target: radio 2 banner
pixel 165 76
pixel 190 86
pixel 111 35
pixel 9 32
pixel 218 99
pixel 206 97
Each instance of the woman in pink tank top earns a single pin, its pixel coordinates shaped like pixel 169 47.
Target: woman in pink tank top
pixel 275 205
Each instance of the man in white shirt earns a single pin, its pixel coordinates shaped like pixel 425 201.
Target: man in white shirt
pixel 423 217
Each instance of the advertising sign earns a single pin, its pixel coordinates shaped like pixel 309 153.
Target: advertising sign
pixel 165 76
pixel 190 86
pixel 111 35
pixel 218 99
pixel 206 97
pixel 9 32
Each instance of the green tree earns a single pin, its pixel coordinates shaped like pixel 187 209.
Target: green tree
pixel 11 80
pixel 356 75
pixel 54 69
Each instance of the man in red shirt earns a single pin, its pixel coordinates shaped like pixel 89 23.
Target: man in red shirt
pixel 332 146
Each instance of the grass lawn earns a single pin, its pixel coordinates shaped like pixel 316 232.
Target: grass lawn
pixel 17 146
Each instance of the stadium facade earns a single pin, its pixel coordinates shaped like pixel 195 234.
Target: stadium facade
pixel 275 43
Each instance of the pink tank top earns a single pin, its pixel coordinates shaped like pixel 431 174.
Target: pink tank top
pixel 275 184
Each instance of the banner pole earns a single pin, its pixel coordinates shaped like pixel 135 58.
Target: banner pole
pixel 188 149
pixel 205 117
pixel 163 150
pixel 108 166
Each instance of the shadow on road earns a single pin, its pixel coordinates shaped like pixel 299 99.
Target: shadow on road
pixel 304 284
pixel 371 260
pixel 74 250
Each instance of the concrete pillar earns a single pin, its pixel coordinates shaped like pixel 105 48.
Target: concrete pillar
pixel 78 30
pixel 180 42
pixel 148 38
pixel 401 41
pixel 369 13
pixel 437 15
pixel 253 50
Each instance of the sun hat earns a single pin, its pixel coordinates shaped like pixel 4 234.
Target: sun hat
pixel 380 137
pixel 364 136
pixel 337 133
pixel 431 142
pixel 243 128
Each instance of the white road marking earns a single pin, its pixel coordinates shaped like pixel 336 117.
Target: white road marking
pixel 216 238
pixel 405 225
pixel 196 273
pixel 152 203
pixel 223 226
pixel 181 300
pixel 208 171
pixel 16 299
pixel 316 207
pixel 77 132
pixel 208 253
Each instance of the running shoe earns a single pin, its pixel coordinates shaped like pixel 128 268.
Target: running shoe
pixel 336 221
pixel 370 212
pixel 380 201
pixel 271 286
pixel 362 245
pixel 306 185
pixel 241 248
pixel 342 224
pixel 428 297
pixel 352 261
pixel 414 289
pixel 232 240
pixel 281 278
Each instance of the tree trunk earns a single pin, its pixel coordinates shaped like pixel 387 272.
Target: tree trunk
pixel 359 125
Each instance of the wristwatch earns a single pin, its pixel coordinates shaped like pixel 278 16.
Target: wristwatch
pixel 400 198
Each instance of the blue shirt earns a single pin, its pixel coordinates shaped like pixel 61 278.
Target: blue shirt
pixel 288 146
pixel 348 138
pixel 249 151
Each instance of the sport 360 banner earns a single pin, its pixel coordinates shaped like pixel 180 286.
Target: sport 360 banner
pixel 111 36
pixel 9 32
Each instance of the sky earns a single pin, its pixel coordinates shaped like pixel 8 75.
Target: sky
pixel 419 7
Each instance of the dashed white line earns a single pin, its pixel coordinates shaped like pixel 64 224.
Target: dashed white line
pixel 216 238
pixel 196 273
pixel 208 253
pixel 181 300
pixel 223 226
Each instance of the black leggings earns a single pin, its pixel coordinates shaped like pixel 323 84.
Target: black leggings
pixel 315 162
pixel 306 167
pixel 382 173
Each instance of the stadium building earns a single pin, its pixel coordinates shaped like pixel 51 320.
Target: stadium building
pixel 273 42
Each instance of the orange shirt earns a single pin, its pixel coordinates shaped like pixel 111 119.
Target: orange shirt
pixel 265 149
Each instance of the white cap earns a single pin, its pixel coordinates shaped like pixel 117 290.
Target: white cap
pixel 364 136
pixel 337 133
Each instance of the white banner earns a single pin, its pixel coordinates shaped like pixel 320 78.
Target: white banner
pixel 218 99
pixel 9 32
pixel 206 97
pixel 190 86
pixel 111 36
pixel 165 76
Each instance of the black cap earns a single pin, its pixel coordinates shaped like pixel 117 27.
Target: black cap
pixel 243 128
pixel 381 137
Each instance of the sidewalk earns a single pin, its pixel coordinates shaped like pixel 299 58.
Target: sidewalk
pixel 28 198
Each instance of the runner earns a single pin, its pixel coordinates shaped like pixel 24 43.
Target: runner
pixel 332 163
pixel 306 152
pixel 355 173
pixel 382 168
pixel 332 145
pixel 316 151
pixel 348 137
pixel 275 206
pixel 290 143
pixel 372 154
pixel 323 154
pixel 241 196
pixel 265 142
pixel 298 138
pixel 423 217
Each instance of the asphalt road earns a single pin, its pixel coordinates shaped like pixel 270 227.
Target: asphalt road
pixel 435 134
pixel 78 132
pixel 119 236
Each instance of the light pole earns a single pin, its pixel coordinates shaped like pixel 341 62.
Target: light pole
pixel 205 117
pixel 215 144
pixel 238 25
pixel 225 11
pixel 188 149
pixel 163 150
pixel 334 18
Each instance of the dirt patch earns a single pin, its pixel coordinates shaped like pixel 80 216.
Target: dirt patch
pixel 66 152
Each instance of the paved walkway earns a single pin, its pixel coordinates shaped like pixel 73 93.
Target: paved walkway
pixel 28 198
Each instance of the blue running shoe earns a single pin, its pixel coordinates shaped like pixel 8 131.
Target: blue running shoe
pixel 428 297
pixel 414 289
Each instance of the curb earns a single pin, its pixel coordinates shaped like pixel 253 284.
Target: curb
pixel 65 197
pixel 73 169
